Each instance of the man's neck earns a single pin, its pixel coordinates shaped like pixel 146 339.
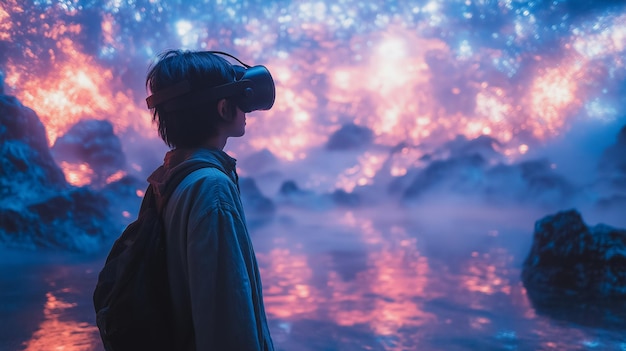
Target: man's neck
pixel 217 142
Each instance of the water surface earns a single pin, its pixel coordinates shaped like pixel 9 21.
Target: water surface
pixel 398 279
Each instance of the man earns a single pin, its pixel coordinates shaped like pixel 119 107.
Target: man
pixel 199 101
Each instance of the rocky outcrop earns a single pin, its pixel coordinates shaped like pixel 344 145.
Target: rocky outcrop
pixel 569 259
pixel 27 169
pixel 350 136
pixel 38 208
pixel 92 142
pixel 474 169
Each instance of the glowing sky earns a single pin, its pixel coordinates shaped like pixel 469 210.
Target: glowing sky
pixel 416 72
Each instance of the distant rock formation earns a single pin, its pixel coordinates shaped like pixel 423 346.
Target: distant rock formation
pixel 38 208
pixel 93 142
pixel 471 169
pixel 570 259
pixel 259 208
pixel 259 161
pixel 484 145
pixel 350 136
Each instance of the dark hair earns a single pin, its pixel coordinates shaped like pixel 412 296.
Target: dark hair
pixel 191 126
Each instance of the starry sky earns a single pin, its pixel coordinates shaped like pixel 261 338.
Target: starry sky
pixel 414 72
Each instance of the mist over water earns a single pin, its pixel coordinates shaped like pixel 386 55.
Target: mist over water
pixel 411 148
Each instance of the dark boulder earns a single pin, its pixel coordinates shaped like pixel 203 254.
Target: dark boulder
pixel 570 259
pixel 577 273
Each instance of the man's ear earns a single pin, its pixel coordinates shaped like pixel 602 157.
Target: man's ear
pixel 223 110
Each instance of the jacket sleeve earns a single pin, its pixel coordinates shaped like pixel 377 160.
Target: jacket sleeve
pixel 218 260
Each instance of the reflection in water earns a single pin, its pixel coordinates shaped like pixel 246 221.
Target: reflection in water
pixel 354 280
pixel 290 293
pixel 381 281
pixel 396 275
pixel 57 333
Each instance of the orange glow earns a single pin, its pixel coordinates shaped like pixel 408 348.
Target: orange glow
pixel 552 95
pixel 362 173
pixel 290 294
pixel 75 87
pixel 384 295
pixel 288 129
pixel 485 276
pixel 497 112
pixel 115 177
pixel 56 333
pixel 108 29
pixel 383 81
pixel 5 25
pixel 77 174
pixel 397 273
pixel 523 149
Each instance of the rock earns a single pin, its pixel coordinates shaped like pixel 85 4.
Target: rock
pixel 570 259
pixel 484 145
pixel 350 136
pixel 27 169
pixel 290 194
pixel 92 142
pixel 463 174
pixel 259 161
pixel 38 208
pixel 288 188
pixel 470 175
pixel 74 220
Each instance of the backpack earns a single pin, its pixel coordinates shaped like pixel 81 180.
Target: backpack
pixel 132 298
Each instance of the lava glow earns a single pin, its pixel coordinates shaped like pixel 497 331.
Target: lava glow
pixel 54 333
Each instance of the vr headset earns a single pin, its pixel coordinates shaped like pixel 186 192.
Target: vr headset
pixel 252 90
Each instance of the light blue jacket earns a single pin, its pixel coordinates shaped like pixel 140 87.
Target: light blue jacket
pixel 213 273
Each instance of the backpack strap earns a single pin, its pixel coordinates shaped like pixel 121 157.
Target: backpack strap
pixel 186 169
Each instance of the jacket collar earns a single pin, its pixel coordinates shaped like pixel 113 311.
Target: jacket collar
pixel 175 158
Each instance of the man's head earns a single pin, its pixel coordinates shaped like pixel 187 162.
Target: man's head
pixel 191 124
